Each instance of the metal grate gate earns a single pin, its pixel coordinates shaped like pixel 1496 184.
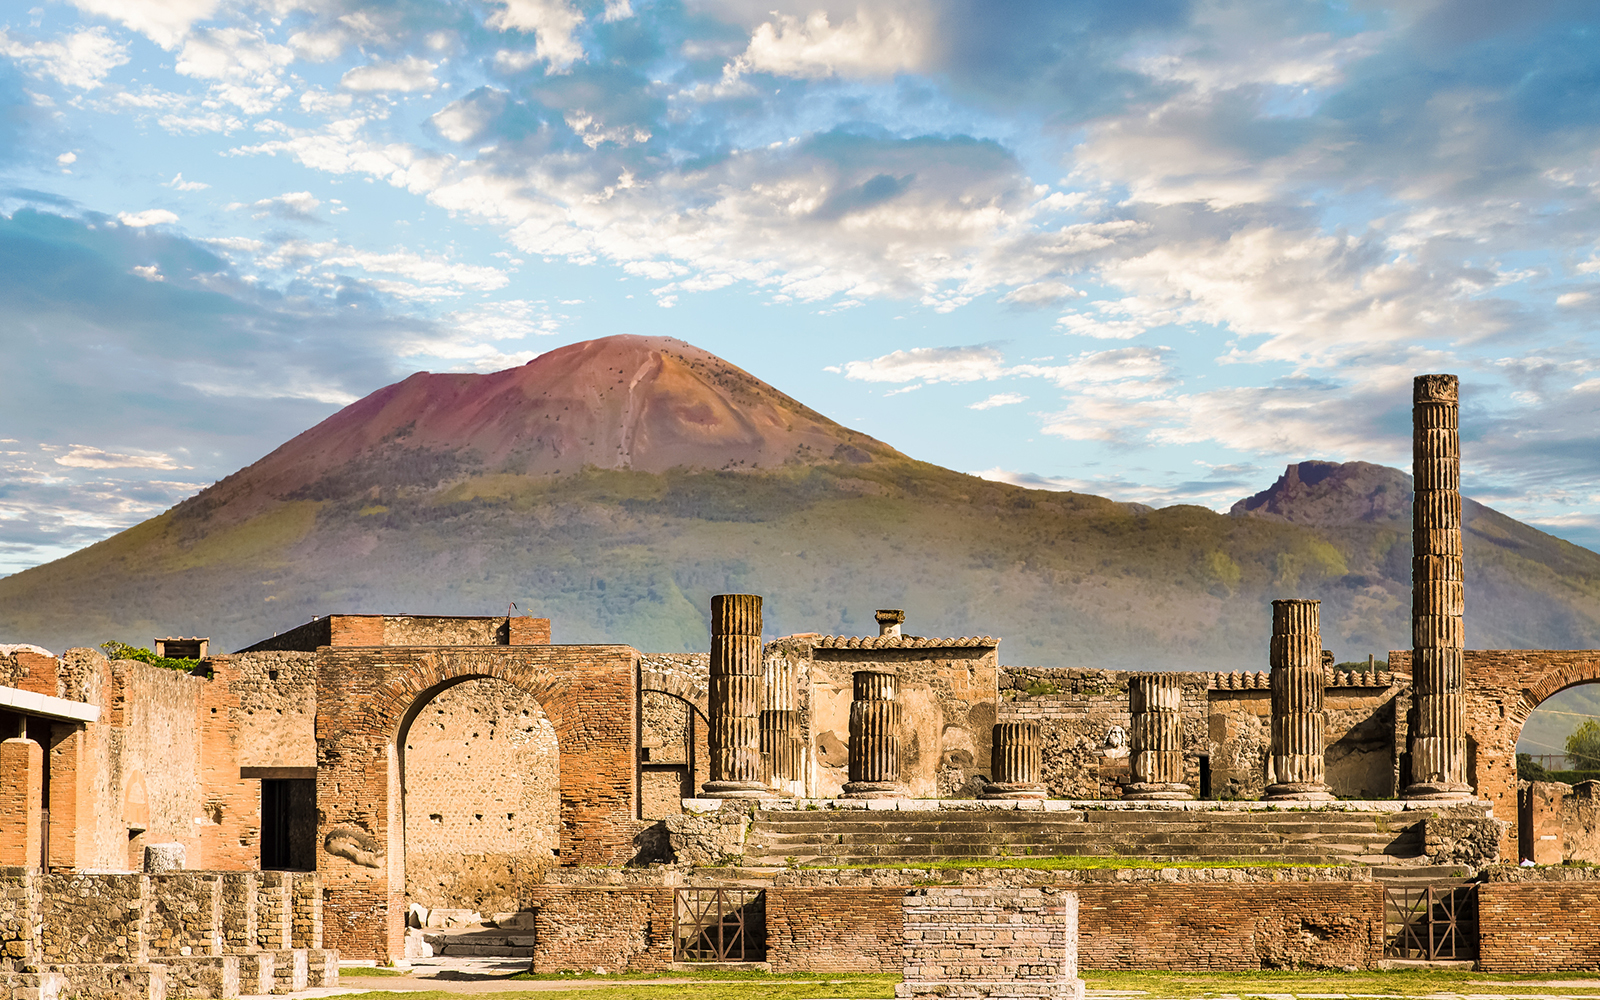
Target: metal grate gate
pixel 1432 923
pixel 720 925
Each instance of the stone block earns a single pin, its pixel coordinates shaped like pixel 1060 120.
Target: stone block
pixel 159 858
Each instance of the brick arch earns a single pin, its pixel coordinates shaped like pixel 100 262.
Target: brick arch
pixel 1552 683
pixel 367 698
pixel 656 681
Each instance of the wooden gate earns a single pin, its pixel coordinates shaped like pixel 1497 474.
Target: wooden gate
pixel 1431 923
pixel 720 925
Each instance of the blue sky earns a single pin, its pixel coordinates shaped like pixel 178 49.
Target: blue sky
pixel 1153 251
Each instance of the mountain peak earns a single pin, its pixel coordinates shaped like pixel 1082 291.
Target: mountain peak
pixel 648 404
pixel 1325 494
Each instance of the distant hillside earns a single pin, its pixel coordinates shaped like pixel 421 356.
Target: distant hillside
pixel 616 485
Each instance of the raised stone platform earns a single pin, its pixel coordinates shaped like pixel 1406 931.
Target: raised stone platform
pixel 846 832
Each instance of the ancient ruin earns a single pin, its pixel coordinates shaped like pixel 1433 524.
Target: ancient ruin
pixel 363 785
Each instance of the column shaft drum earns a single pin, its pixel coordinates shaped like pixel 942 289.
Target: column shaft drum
pixel 874 737
pixel 734 738
pixel 1155 739
pixel 1298 682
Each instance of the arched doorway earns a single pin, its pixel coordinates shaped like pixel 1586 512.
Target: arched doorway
pixel 481 787
pixel 367 697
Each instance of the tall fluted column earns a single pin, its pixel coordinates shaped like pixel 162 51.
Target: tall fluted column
pixel 1438 731
pixel 874 736
pixel 1298 680
pixel 782 751
pixel 1016 762
pixel 1155 744
pixel 735 736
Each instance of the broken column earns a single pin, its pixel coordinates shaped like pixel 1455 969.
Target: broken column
pixel 1437 734
pixel 889 621
pixel 1156 739
pixel 874 736
pixel 734 739
pixel 1016 762
pixel 1298 680
pixel 782 751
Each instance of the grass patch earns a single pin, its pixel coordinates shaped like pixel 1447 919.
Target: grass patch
pixel 1068 863
pixel 809 986
pixel 1399 983
pixel 372 970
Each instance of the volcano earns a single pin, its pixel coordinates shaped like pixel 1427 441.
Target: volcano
pixel 615 485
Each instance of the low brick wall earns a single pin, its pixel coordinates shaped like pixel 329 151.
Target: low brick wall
pixel 1272 925
pixel 965 942
pixel 1539 925
pixel 834 929
pixel 617 929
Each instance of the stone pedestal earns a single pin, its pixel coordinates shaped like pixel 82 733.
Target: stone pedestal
pixel 1155 744
pixel 874 737
pixel 1016 762
pixel 1438 725
pixel 1298 680
pixel 990 943
pixel 734 737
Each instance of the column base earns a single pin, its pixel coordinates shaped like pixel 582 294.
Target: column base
pixel 1440 791
pixel 873 790
pixel 1158 791
pixel 1298 791
pixel 1014 790
pixel 735 790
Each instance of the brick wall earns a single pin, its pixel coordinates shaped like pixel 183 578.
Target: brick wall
pixel 21 801
pixel 1221 926
pixel 834 929
pixel 482 802
pixel 1538 926
pixel 618 929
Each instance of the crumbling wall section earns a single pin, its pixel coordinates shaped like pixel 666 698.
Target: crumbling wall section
pixel 615 929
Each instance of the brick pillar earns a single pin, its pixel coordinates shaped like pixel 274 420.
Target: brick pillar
pixel 1298 679
pixel 1155 739
pixel 71 797
pixel 1016 761
pixel 782 751
pixel 874 737
pixel 21 802
pixel 735 736
pixel 1438 731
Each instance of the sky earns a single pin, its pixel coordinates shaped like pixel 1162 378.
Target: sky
pixel 1149 250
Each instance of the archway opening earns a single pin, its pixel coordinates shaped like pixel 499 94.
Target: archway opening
pixel 1542 742
pixel 674 758
pixel 481 786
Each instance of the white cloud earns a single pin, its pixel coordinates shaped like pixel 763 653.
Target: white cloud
pixel 617 10
pixel 998 399
pixel 299 206
pixel 408 74
pixel 149 272
pixel 164 22
pixel 179 184
pixel 81 60
pixel 1040 293
pixel 149 217
pixel 424 277
pixel 554 21
pixel 873 43
pixel 931 364
pixel 67 159
pixel 82 456
pixel 464 120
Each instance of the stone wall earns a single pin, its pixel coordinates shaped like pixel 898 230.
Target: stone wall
pixel 481 797
pixel 148 771
pixel 834 929
pixel 612 929
pixel 674 756
pixel 93 918
pixel 1226 730
pixel 185 914
pixel 946 688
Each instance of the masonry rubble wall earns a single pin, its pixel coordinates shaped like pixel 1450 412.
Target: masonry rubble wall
pixel 674 753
